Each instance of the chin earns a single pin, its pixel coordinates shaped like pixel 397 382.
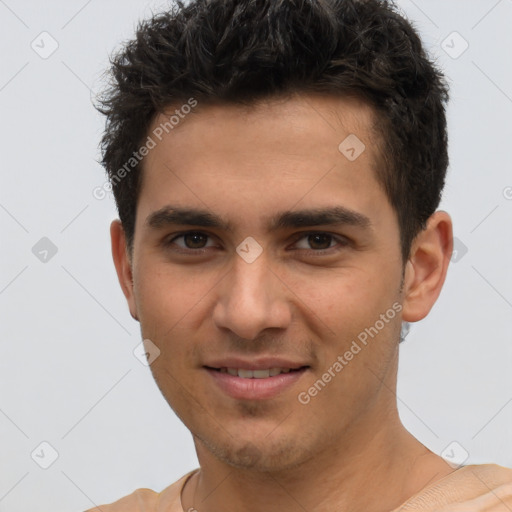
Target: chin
pixel 261 455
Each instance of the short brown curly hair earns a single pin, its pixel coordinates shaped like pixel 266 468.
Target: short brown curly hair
pixel 241 51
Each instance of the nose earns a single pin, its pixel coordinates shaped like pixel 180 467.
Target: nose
pixel 252 298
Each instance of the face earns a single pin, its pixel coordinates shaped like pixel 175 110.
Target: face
pixel 260 245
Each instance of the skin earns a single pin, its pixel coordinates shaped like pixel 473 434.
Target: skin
pixel 346 449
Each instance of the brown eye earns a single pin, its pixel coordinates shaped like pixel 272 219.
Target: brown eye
pixel 192 242
pixel 195 240
pixel 320 241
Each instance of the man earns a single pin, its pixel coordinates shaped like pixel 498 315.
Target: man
pixel 277 165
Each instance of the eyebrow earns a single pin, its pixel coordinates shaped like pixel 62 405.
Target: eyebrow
pixel 336 215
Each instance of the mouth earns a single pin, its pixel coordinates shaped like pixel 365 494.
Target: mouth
pixel 255 384
pixel 263 373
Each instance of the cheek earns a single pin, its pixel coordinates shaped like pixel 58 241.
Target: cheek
pixel 172 307
pixel 167 296
pixel 351 303
pixel 344 297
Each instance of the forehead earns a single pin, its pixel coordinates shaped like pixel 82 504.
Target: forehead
pixel 293 118
pixel 310 149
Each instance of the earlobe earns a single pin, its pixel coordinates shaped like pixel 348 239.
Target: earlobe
pixel 426 268
pixel 123 264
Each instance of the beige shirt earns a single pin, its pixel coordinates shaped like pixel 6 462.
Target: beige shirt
pixel 481 487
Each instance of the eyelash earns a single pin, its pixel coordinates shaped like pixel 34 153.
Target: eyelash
pixel 342 242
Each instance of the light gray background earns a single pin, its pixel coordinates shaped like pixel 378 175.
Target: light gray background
pixel 68 373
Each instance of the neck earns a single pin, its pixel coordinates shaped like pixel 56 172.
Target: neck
pixel 374 469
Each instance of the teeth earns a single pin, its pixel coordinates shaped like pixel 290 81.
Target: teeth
pixel 261 374
pixel 254 374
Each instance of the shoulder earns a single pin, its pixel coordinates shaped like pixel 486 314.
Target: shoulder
pixel 141 500
pixel 146 500
pixel 479 487
pixel 491 474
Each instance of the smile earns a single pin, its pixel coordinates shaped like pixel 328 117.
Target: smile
pixel 255 374
pixel 255 384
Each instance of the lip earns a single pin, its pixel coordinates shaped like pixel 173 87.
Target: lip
pixel 255 364
pixel 255 389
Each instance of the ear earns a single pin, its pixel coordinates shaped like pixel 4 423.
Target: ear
pixel 426 267
pixel 123 264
